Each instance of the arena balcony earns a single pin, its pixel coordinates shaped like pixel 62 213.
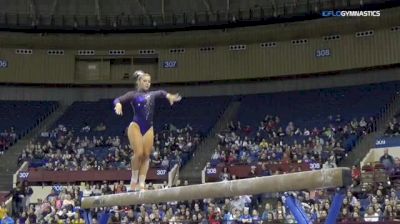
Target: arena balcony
pixel 158 16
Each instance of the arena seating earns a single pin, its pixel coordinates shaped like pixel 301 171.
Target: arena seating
pixel 309 109
pixel 17 118
pixel 306 109
pixel 393 128
pixel 377 202
pixel 317 110
pixel 185 122
pixel 189 111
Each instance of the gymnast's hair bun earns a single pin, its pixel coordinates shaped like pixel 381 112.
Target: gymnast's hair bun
pixel 138 73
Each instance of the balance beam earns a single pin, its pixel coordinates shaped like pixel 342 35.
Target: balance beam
pixel 308 180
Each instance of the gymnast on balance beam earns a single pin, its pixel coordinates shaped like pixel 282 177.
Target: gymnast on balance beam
pixel 140 130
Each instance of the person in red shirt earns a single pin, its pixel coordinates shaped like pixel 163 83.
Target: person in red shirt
pixel 231 158
pixel 356 173
pixel 215 216
pixel 2 146
pixel 247 130
pixel 286 158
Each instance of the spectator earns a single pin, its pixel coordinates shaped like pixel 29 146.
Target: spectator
pixel 77 219
pixel 2 146
pixel 165 162
pixel 266 212
pixel 28 193
pixel 215 216
pixel 87 191
pixel 228 217
pixel 387 160
pixel 240 202
pixel 363 123
pixel 18 199
pixel 215 156
pixel 356 174
pixel 371 215
pixel 7 138
pixel 330 163
pixel 156 160
pixel 224 176
pixel 388 213
pixel 247 130
pixel 3 210
pixel 246 217
pixel 100 127
pixel 7 219
pixel 252 172
pixel 290 129
pixel 256 219
pixel 85 128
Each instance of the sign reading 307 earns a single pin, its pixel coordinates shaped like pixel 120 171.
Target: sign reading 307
pixel 169 64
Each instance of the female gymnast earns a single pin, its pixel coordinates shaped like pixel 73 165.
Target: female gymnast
pixel 140 130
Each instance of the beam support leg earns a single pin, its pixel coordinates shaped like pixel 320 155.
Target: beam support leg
pixel 336 205
pixel 296 209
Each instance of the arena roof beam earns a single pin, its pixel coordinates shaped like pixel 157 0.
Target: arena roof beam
pixel 32 9
pixel 273 3
pixel 208 6
pixel 53 7
pixel 308 180
pixel 163 9
pixel 143 8
pixel 97 10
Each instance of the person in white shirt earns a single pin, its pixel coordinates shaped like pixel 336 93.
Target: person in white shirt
pixel 371 215
pixel 240 202
pixel 330 163
pixel 215 156
pixel 363 123
pixel 87 191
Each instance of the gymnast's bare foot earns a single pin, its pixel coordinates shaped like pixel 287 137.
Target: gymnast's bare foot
pixel 133 187
pixel 142 188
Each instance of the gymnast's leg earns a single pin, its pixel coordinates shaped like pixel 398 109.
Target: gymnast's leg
pixel 148 142
pixel 136 142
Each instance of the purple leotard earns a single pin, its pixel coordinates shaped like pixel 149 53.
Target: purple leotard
pixel 143 106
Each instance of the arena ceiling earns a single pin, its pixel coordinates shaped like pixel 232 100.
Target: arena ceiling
pixel 138 7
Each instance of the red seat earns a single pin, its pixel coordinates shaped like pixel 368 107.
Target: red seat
pixel 379 166
pixel 367 168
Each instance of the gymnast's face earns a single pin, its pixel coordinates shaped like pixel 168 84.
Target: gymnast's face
pixel 144 82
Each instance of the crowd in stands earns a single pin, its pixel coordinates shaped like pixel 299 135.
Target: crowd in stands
pixel 274 142
pixel 363 202
pixel 7 138
pixel 18 117
pixel 393 128
pixel 62 149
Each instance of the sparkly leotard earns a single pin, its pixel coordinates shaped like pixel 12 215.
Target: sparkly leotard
pixel 143 106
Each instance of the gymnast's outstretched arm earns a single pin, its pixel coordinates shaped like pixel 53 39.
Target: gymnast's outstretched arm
pixel 121 100
pixel 172 98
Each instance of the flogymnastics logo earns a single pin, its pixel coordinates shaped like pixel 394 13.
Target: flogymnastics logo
pixel 332 13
